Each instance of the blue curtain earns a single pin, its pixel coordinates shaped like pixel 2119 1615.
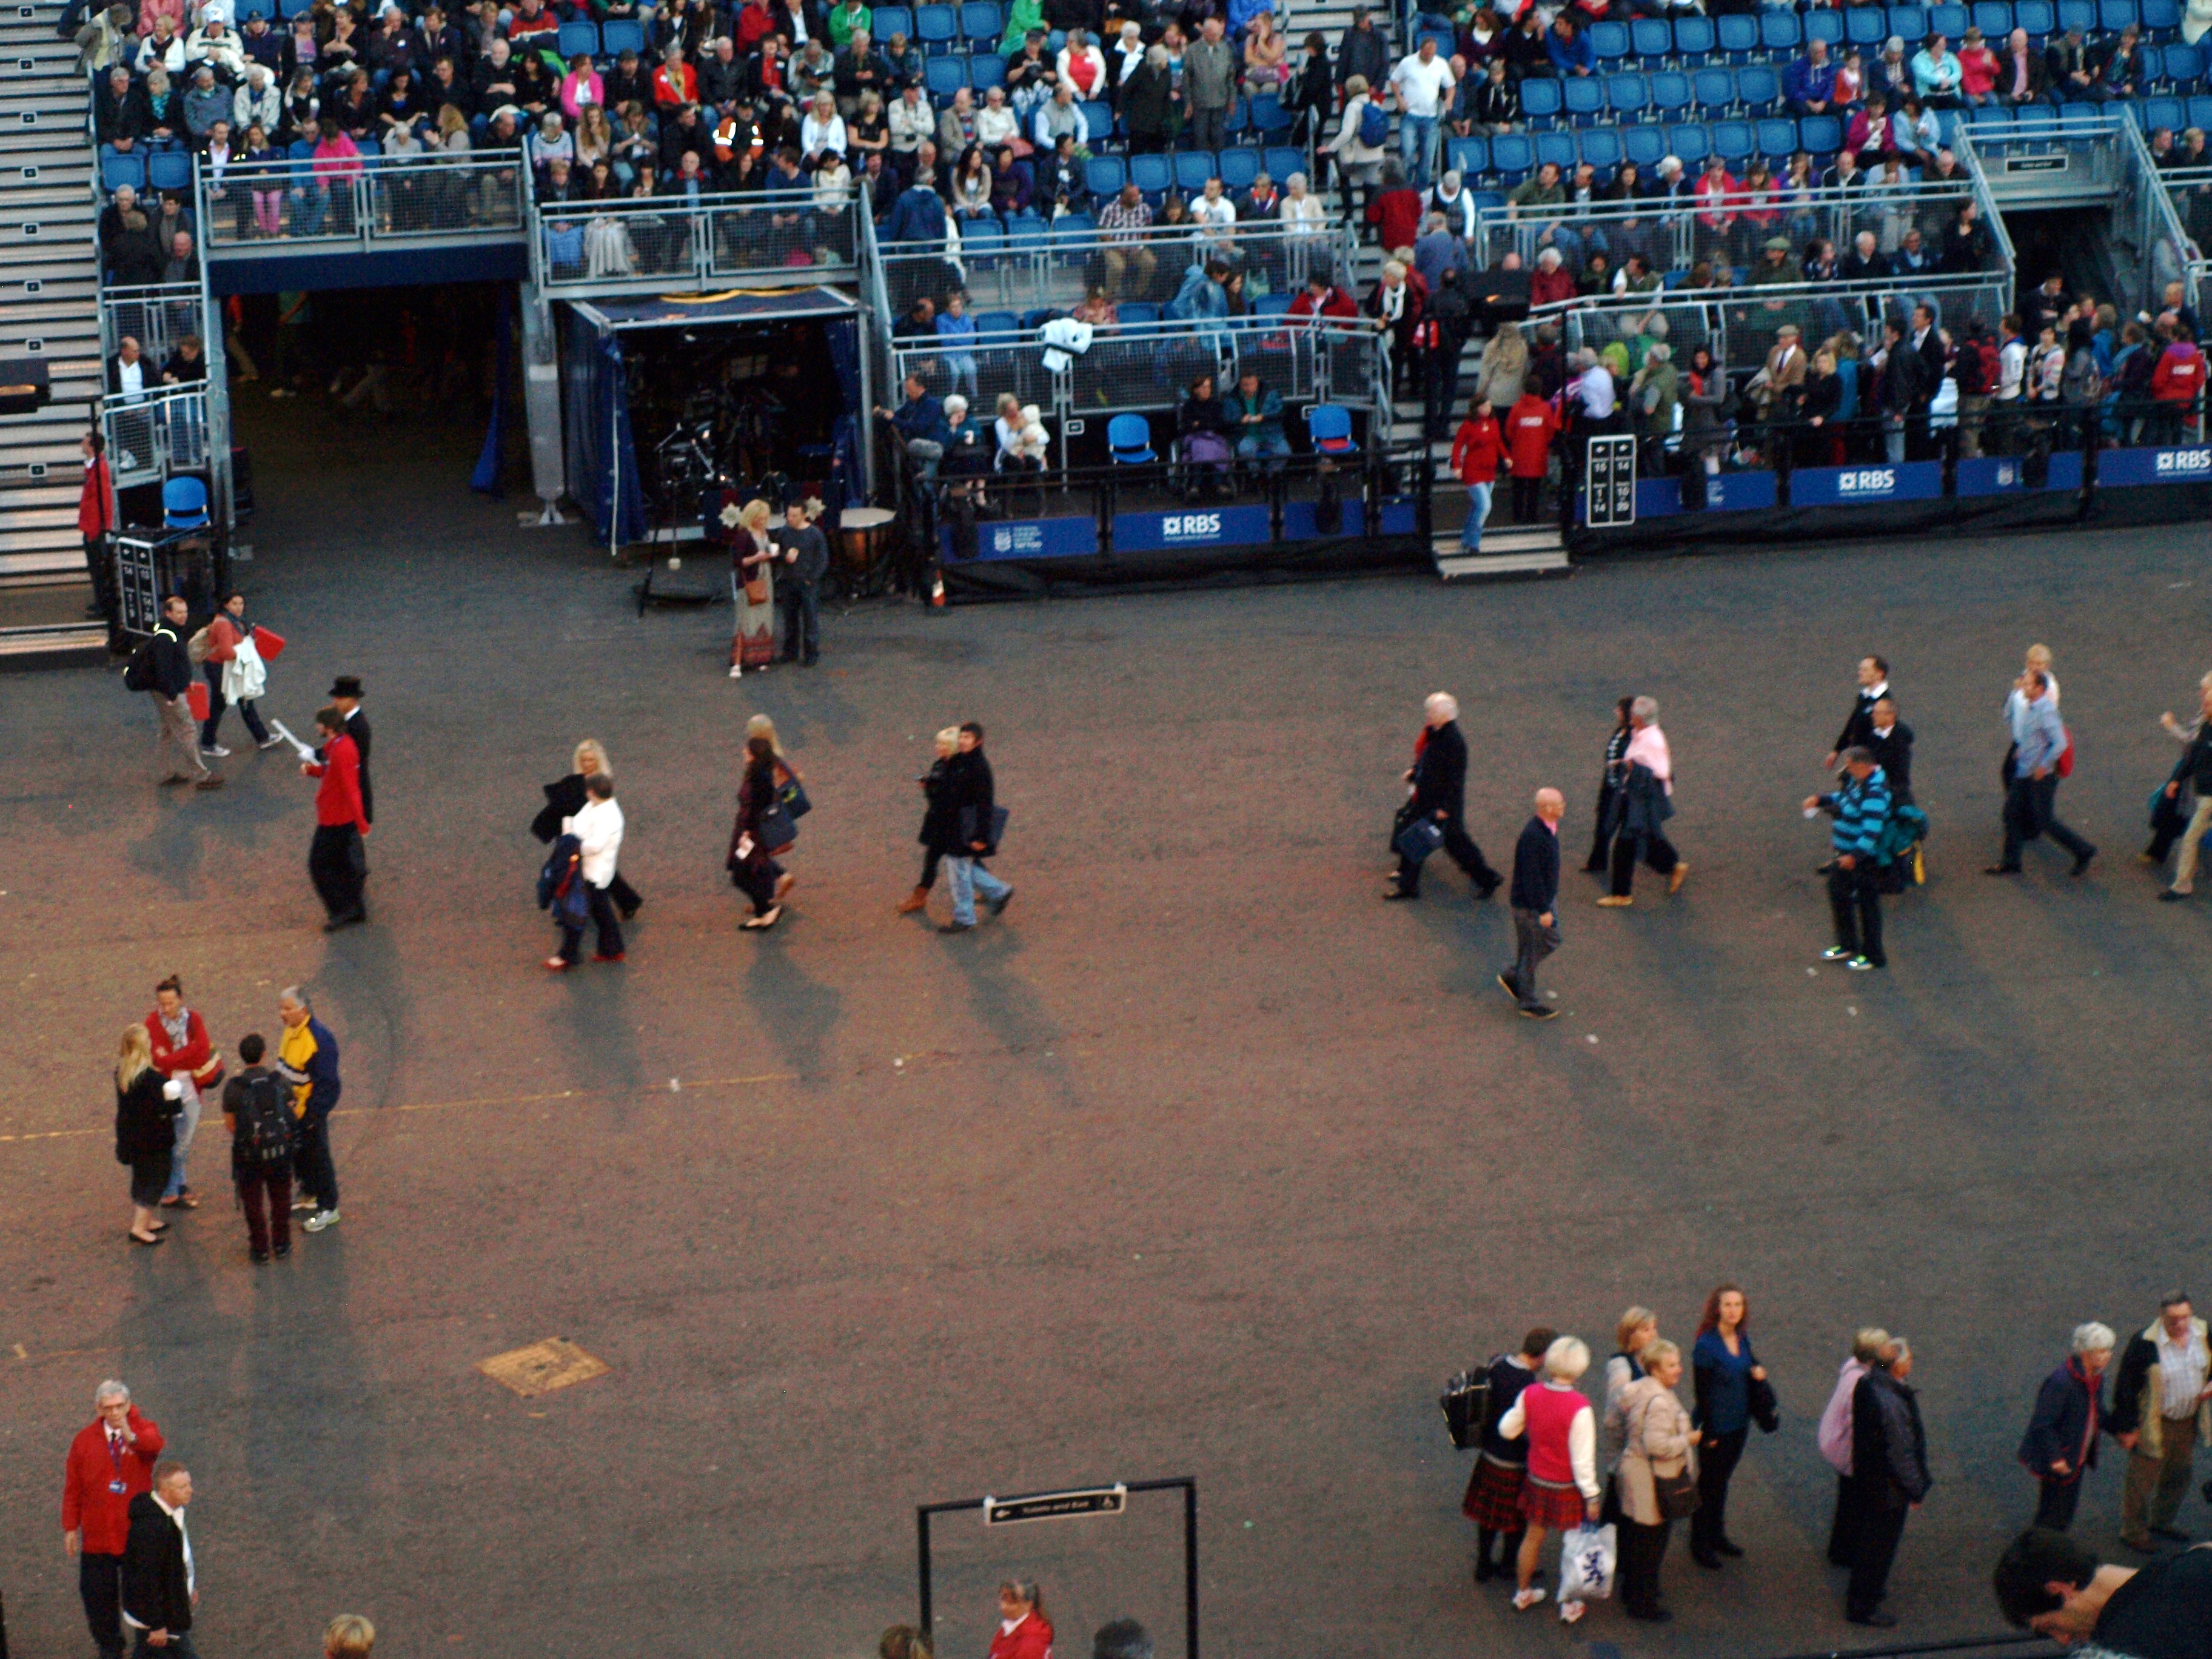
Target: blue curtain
pixel 485 479
pixel 845 358
pixel 598 433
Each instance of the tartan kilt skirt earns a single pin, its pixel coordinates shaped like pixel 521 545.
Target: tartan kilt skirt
pixel 1556 1509
pixel 1493 1495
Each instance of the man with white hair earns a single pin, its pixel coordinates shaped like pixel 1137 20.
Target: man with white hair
pixel 1646 804
pixel 1434 816
pixel 111 1461
pixel 2061 1443
pixel 1889 1458
pixel 1535 901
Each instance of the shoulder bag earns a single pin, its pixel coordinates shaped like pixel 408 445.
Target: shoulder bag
pixel 1675 1494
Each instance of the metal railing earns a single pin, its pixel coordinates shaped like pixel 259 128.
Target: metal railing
pixel 157 318
pixel 158 434
pixel 1044 269
pixel 668 243
pixel 365 203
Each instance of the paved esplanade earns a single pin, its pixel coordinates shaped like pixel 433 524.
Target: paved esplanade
pixel 1203 1160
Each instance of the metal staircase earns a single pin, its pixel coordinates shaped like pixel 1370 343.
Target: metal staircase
pixel 49 295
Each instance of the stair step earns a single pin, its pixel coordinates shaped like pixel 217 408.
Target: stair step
pixel 79 639
pixel 1455 567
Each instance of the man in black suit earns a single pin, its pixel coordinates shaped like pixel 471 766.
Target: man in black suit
pixel 1439 781
pixel 159 1587
pixel 1874 685
pixel 346 697
pixel 1535 901
pixel 1889 739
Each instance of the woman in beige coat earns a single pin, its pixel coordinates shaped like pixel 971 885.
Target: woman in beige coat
pixel 1658 1442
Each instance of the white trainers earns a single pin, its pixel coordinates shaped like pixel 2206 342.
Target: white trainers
pixel 1570 1611
pixel 214 751
pixel 269 742
pixel 1522 1600
pixel 737 670
pixel 321 1219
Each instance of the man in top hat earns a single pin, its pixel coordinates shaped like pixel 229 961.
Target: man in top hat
pixel 346 697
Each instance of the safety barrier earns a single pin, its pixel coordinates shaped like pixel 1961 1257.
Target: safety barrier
pixel 664 243
pixel 156 434
pixel 327 204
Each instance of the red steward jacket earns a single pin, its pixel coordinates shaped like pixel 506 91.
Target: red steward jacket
pixel 1476 452
pixel 1529 432
pixel 2179 375
pixel 338 801
pixel 105 1515
pixel 95 502
pixel 1030 1639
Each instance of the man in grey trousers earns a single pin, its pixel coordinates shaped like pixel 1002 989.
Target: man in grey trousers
pixel 177 751
pixel 1209 79
pixel 1535 904
pixel 806 561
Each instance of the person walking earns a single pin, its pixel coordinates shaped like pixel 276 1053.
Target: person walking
pixel 2159 1414
pixel 1659 1447
pixel 1559 1491
pixel 1492 1500
pixel 1610 783
pixel 1476 450
pixel 975 794
pixel 1889 1452
pixel 2193 771
pixel 1834 1436
pixel 752 864
pixel 336 861
pixel 1858 725
pixel 1860 811
pixel 167 673
pixel 345 695
pixel 597 828
pixel 1646 802
pixel 1437 792
pixel 2040 744
pixel 940 820
pixel 146 1107
pixel 565 799
pixel 183 1053
pixel 307 1060
pixel 1727 1371
pixel 806 553
pixel 95 522
pixel 111 1461
pixel 235 675
pixel 2060 1446
pixel 160 1583
pixel 1535 904
pixel 259 1115
pixel 1024 1632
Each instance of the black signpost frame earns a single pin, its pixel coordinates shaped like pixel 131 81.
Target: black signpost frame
pixel 1185 1484
pixel 1609 498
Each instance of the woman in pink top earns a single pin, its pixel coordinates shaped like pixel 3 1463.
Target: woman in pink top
pixel 581 85
pixel 1648 767
pixel 1560 1490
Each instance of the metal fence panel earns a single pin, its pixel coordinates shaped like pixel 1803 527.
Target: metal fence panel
pixel 373 200
pixel 716 241
pixel 157 318
pixel 155 435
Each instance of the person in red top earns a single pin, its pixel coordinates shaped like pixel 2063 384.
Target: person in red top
pixel 1320 300
pixel 181 1049
pixel 111 1461
pixel 754 22
pixel 1530 426
pixel 1476 451
pixel 95 519
pixel 2176 382
pixel 531 18
pixel 1551 282
pixel 1024 1631
pixel 1397 209
pixel 336 861
pixel 675 83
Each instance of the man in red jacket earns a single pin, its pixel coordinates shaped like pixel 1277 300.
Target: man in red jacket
pixel 110 1462
pixel 2176 382
pixel 95 521
pixel 1529 428
pixel 336 861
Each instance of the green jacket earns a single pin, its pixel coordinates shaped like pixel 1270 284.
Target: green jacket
pixel 1267 406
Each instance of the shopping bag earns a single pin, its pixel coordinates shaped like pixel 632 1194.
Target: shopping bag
pixel 196 695
pixel 269 642
pixel 1587 1556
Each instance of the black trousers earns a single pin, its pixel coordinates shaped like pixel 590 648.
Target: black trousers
pixel 755 878
pixel 1532 942
pixel 1715 1468
pixel 1855 901
pixel 624 895
pixel 1528 499
pixel 1439 387
pixel 1464 852
pixel 601 900
pixel 1642 1549
pixel 102 569
pixel 1601 854
pixel 100 1582
pixel 311 1161
pixel 1658 851
pixel 2031 809
pixel 1875 1531
pixel 1839 1529
pixel 2055 1508
pixel 336 863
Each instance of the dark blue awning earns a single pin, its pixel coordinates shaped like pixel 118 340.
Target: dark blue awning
pixel 612 315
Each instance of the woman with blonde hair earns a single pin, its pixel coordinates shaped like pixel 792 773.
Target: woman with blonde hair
pixel 752 585
pixel 565 799
pixel 1560 1490
pixel 1503 372
pixel 146 1108
pixel 940 819
pixel 595 139
pixel 1658 1446
pixel 1638 1329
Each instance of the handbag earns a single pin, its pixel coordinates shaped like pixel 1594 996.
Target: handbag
pixel 1765 1408
pixel 1420 837
pixel 1587 1556
pixel 776 831
pixel 1465 1403
pixel 1676 1494
pixel 791 795
pixel 756 590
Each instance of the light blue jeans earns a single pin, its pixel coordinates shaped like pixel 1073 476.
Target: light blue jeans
pixel 1417 144
pixel 1478 513
pixel 969 878
pixel 188 1126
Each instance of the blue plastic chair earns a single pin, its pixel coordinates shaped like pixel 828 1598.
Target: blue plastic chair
pixel 1652 41
pixel 1512 154
pixel 980 23
pixel 1670 94
pixel 1912 22
pixel 1776 136
pixel 1584 100
pixel 1193 167
pixel 1713 90
pixel 1268 118
pixel 2200 110
pixel 1470 157
pixel 579 37
pixel 997 322
pixel 1991 115
pixel 1098 118
pixel 1949 20
pixel 986 69
pixel 2161 18
pixel 2038 18
pixel 1738 36
pixel 1152 175
pixel 1129 437
pixel 1757 88
pixel 2185 65
pixel 1539 101
pixel 1691 142
pixel 1627 96
pixel 1734 142
pixel 1602 147
pixel 1558 149
pixel 1271 305
pixel 889 20
pixel 1865 26
pixel 1779 32
pixel 981 242
pixel 1645 146
pixel 1609 40
pixel 2077 15
pixel 1239 167
pixel 1993 19
pixel 1139 311
pixel 1329 426
pixel 1105 175
pixel 288 9
pixel 116 170
pixel 169 169
pixel 2169 113
pixel 1823 134
pixel 184 504
pixel 1025 233
pixel 1825 24
pixel 2113 16
pixel 942 76
pixel 1282 161
pixel 1694 39
pixel 935 26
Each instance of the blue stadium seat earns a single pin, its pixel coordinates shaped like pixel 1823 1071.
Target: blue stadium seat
pixel 1097 117
pixel 1777 138
pixel 1139 311
pixel 578 37
pixel 1627 96
pixel 1645 146
pixel 1609 40
pixel 2169 113
pixel 1069 230
pixel 1993 19
pixel 116 170
pixel 1129 437
pixel 1735 143
pixel 1779 32
pixel 1865 26
pixel 184 503
pixel 1540 101
pixel 935 26
pixel 889 20
pixel 1823 134
pixel 1825 24
pixel 1556 148
pixel 981 242
pixel 1949 20
pixel 1693 39
pixel 997 322
pixel 288 9
pixel 1601 149
pixel 2200 110
pixel 1689 140
pixel 980 23
pixel 171 169
pixel 2077 15
pixel 1054 42
pixel 370 146
pixel 1989 115
pixel 986 69
pixel 1271 305
pixel 1105 175
pixel 1757 88
pixel 942 76
pixel 1583 98
pixel 2161 18
pixel 1713 90
pixel 2038 18
pixel 1654 42
pixel 1738 36
pixel 1152 175
pixel 2185 65
pixel 1269 119
pixel 1329 425
pixel 1470 157
pixel 2113 16
pixel 1670 94
pixel 1512 155
pixel 1193 167
pixel 619 35
pixel 1239 167
pixel 1912 22
pixel 1282 161
pixel 1025 233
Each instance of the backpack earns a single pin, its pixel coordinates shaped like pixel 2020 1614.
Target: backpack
pixel 1374 126
pixel 264 1140
pixel 138 672
pixel 196 646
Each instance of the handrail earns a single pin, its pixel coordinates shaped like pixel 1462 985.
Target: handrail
pixel 2158 205
pixel 710 243
pixel 1662 298
pixel 366 200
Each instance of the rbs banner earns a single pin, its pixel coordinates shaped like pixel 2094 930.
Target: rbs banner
pixel 1854 486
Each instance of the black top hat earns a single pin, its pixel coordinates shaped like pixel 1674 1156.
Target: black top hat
pixel 346 685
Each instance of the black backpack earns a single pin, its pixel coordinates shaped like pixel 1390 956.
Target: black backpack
pixel 138 672
pixel 263 1107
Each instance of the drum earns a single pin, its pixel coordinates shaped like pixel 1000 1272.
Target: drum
pixel 864 541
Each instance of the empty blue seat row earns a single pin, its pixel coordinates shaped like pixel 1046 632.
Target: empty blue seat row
pixel 1510 157
pixel 601 40
pixel 1775 34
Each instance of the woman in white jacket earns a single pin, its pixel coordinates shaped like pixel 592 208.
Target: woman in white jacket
pixel 597 829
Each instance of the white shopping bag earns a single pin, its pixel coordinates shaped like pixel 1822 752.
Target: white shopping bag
pixel 1587 1558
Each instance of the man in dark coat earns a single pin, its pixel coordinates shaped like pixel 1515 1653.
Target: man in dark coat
pixel 806 552
pixel 975 796
pixel 1535 897
pixel 1439 781
pixel 170 680
pixel 1874 685
pixel 345 696
pixel 2061 1442
pixel 159 1587
pixel 1889 1464
pixel 1889 740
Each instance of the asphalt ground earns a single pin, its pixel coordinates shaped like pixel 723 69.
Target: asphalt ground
pixel 1202 1161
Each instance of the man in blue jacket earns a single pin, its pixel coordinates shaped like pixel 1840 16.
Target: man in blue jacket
pixel 918 216
pixel 1860 808
pixel 1535 903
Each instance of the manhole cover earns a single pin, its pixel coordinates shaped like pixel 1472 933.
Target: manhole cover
pixel 543 1367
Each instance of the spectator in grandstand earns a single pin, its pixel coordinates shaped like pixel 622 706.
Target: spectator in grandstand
pixel 1205 434
pixel 1395 309
pixel 1889 1458
pixel 971 187
pixel 1936 73
pixel 1148 103
pixel 1320 302
pixel 1645 807
pixel 1437 250
pixel 1010 188
pixel 1570 51
pixel 1776 388
pixel 921 423
pixel 1358 146
pixel 1255 416
pixel 1059 117
pixel 1809 83
pixel 1914 136
pixel 2020 74
pixel 1654 396
pixel 1559 1490
pixel 183 263
pixel 2070 69
pixel 1122 224
pixel 1209 85
pixel 2032 792
pixel 1363 52
pixel 2060 1446
pixel 1478 448
pixel 1869 133
pixel 1422 83
pixel 1495 104
pixel 1503 367
pixel 1979 69
pixel 1266 58
pixel 1260 200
